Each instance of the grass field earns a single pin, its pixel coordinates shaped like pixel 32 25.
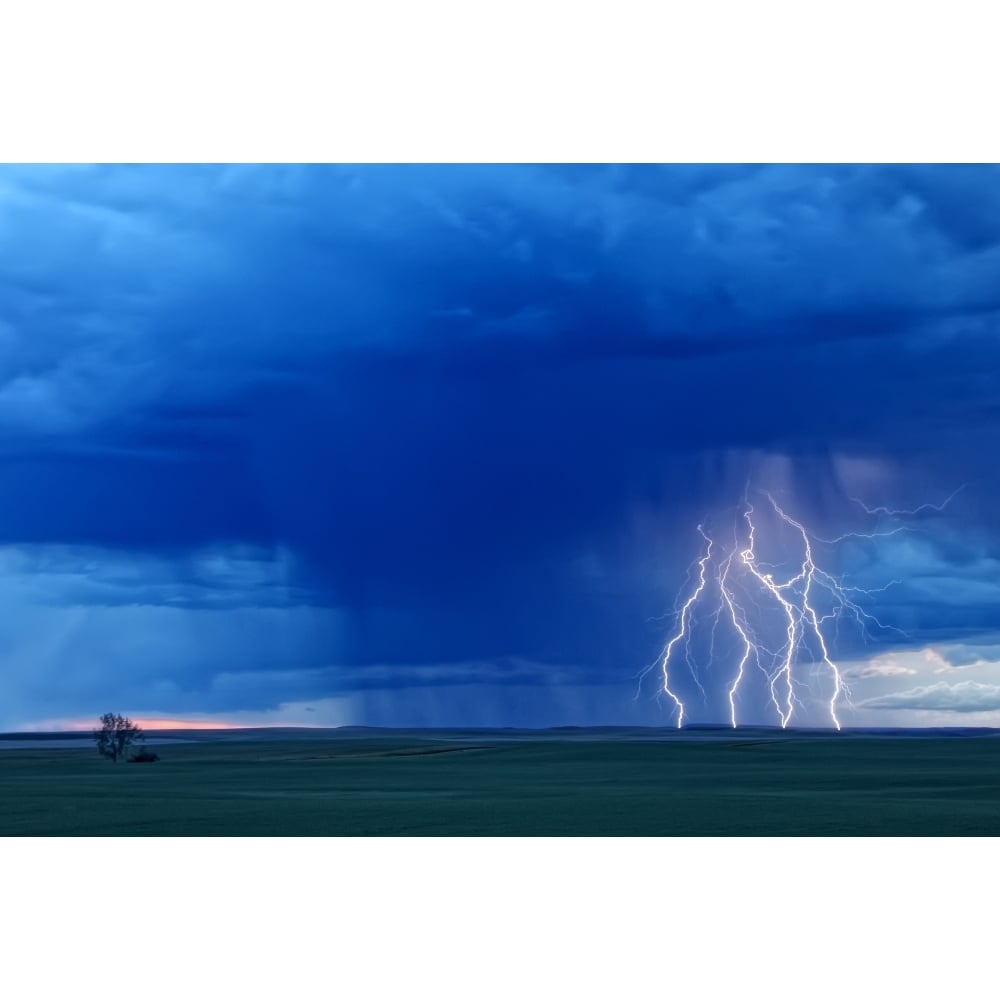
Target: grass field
pixel 415 784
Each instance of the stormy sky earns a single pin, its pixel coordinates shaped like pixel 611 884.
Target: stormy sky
pixel 429 445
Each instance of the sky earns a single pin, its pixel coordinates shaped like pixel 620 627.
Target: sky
pixel 429 445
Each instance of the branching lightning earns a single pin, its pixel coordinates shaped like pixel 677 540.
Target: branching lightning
pixel 682 627
pixel 755 598
pixel 889 512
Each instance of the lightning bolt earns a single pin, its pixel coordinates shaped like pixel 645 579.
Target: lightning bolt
pixel 749 557
pixel 745 585
pixel 682 627
pixel 889 512
pixel 807 575
pixel 727 597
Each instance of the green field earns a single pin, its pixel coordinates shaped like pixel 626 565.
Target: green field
pixel 416 785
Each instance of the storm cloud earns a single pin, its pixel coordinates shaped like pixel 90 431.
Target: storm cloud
pixel 450 428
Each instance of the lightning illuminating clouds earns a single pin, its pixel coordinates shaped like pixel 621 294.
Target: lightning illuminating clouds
pixel 809 600
pixel 432 441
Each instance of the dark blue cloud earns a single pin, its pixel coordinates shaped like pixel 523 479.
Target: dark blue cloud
pixel 479 409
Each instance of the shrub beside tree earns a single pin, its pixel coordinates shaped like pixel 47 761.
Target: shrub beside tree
pixel 116 735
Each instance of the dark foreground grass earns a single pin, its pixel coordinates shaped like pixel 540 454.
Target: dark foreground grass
pixel 407 785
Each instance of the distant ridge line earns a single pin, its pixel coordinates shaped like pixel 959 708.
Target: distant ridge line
pixel 721 731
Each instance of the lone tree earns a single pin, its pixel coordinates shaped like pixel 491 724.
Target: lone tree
pixel 116 734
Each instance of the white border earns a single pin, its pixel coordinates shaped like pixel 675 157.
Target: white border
pixel 449 80
pixel 498 918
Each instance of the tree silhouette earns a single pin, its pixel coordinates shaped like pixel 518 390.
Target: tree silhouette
pixel 116 734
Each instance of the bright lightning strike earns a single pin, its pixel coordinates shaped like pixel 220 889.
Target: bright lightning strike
pixel 745 587
pixel 682 628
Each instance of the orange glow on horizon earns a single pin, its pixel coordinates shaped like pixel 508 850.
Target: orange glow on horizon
pixel 149 725
pixel 296 715
pixel 153 724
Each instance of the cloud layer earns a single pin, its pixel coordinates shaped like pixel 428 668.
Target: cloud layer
pixel 965 696
pixel 437 416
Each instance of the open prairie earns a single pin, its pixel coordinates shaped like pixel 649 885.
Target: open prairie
pixel 509 783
